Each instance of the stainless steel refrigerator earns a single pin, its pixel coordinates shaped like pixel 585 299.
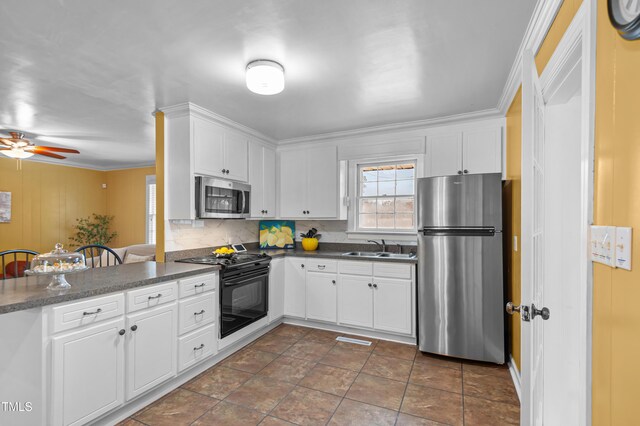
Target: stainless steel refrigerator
pixel 460 288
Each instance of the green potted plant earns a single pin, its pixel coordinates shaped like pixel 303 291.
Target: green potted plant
pixel 93 230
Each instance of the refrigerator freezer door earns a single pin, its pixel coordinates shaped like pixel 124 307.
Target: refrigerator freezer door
pixel 468 200
pixel 460 296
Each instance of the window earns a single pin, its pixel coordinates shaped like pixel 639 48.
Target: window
pixel 385 196
pixel 151 209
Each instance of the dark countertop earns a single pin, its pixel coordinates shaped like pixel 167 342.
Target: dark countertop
pixel 31 292
pixel 329 254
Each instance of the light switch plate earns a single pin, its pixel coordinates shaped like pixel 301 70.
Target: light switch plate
pixel 603 244
pixel 623 247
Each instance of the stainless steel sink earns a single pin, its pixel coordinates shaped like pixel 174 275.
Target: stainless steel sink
pixel 374 254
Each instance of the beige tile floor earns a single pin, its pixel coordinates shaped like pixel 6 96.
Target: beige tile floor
pixel 302 376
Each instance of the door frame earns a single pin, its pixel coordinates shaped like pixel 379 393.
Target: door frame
pixel 577 48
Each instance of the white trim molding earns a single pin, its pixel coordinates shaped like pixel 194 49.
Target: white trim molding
pixel 515 375
pixel 543 16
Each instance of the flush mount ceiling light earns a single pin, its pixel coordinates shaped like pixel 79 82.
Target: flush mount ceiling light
pixel 265 77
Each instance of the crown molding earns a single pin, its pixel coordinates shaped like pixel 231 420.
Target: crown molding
pixel 186 108
pixel 543 16
pixel 78 165
pixel 396 127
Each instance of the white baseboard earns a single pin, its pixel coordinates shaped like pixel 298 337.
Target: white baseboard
pixel 515 375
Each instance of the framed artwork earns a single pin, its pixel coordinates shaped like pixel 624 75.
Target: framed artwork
pixel 277 234
pixel 5 207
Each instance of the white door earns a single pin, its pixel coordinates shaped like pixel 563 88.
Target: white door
pixel 87 373
pixel 276 289
pixel 293 183
pixel 322 186
pixel 444 155
pixel 256 179
pixel 321 296
pixel 392 305
pixel 269 182
pixel 355 300
pixel 533 190
pixel 151 348
pixel 236 147
pixel 294 287
pixel 482 151
pixel 208 148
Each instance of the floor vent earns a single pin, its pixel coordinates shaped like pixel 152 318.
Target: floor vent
pixel 355 341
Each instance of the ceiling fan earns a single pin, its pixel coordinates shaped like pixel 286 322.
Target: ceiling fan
pixel 18 147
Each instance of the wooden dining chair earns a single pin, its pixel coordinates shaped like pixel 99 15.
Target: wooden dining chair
pixel 14 262
pixel 94 253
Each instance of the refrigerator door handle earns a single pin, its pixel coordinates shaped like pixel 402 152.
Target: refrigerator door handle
pixel 480 231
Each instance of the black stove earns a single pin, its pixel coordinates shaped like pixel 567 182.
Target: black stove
pixel 232 262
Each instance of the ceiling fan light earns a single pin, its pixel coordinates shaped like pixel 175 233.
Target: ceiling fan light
pixel 265 77
pixel 19 154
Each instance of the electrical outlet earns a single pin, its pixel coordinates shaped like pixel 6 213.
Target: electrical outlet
pixel 623 247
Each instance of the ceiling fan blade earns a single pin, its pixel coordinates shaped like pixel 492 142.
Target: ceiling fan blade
pixel 47 154
pixel 54 149
pixel 6 142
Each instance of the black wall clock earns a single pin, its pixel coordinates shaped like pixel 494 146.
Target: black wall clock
pixel 625 17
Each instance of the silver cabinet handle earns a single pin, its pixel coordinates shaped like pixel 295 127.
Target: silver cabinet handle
pixel 199 347
pixel 322 266
pixel 199 313
pixel 96 312
pixel 158 296
pixel 199 285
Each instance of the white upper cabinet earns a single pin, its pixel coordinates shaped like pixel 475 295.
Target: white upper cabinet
pixel 466 151
pixel 219 151
pixel 309 183
pixel 262 177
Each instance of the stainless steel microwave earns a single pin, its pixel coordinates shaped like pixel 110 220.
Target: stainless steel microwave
pixel 221 199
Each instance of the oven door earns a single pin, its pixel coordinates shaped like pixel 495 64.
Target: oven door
pixel 243 299
pixel 218 198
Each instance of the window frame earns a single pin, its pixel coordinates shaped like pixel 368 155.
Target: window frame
pixel 353 229
pixel 149 180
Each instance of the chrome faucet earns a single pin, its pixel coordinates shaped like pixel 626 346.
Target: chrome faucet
pixel 383 246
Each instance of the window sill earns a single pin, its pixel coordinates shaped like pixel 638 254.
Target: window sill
pixel 395 235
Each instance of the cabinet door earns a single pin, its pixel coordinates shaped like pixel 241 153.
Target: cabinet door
pixel 444 155
pixel 87 373
pixel 236 152
pixel 355 300
pixel 482 151
pixel 276 290
pixel 208 148
pixel 322 186
pixel 321 296
pixel 269 182
pixel 392 305
pixel 294 288
pixel 151 348
pixel 256 179
pixel 293 183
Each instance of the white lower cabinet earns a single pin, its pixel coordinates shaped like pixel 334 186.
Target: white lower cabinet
pixel 276 290
pixel 392 308
pixel 355 301
pixel 321 296
pixel 197 346
pixel 87 373
pixel 295 287
pixel 151 348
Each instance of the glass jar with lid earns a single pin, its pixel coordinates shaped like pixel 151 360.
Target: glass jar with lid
pixel 57 263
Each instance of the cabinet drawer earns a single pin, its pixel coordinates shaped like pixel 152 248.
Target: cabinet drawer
pixel 148 297
pixel 86 312
pixel 197 285
pixel 392 270
pixel 321 265
pixel 197 346
pixel 196 312
pixel 356 268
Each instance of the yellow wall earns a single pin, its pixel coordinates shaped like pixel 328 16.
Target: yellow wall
pixel 514 158
pixel 616 324
pixel 126 192
pixel 47 199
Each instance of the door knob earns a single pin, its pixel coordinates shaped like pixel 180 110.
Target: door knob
pixel 544 312
pixel 521 309
pixel 511 308
pixel 134 327
pixel 466 171
pixel 121 332
pixel 459 172
pixel 375 285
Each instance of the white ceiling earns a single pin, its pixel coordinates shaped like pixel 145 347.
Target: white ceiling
pixel 88 74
